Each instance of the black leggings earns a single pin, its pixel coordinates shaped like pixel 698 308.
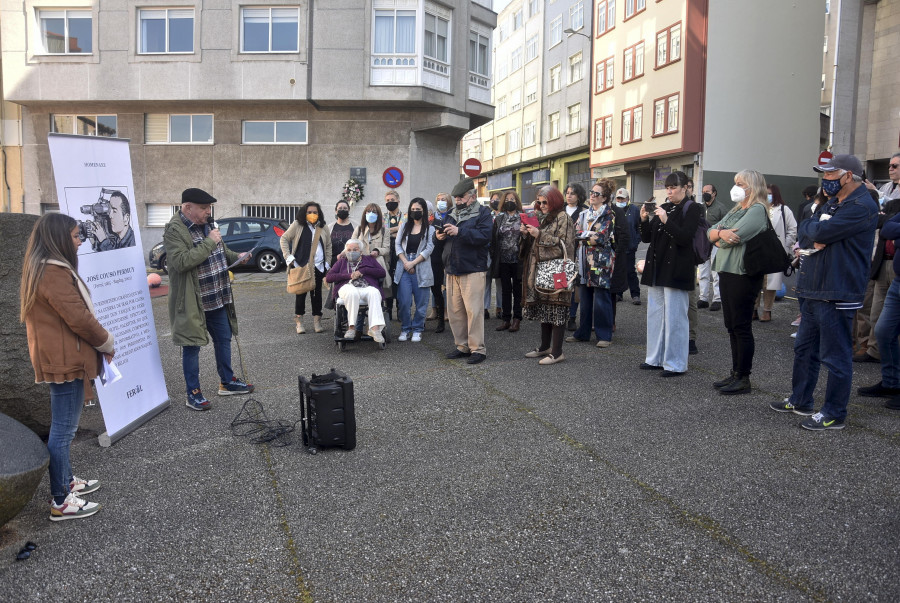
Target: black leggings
pixel 316 294
pixel 437 268
pixel 511 291
pixel 739 293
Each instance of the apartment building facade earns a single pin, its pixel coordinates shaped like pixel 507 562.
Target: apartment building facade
pixel 709 87
pixel 266 105
pixel 541 92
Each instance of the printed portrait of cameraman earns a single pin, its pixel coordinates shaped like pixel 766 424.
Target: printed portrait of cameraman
pixel 121 235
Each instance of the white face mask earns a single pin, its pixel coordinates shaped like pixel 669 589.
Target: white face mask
pixel 621 203
pixel 737 194
pixel 769 198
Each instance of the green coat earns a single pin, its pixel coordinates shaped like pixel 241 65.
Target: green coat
pixel 186 317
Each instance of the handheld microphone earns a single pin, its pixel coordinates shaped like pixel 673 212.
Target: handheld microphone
pixel 212 222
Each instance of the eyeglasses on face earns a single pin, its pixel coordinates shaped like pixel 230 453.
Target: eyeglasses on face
pixel 596 194
pixel 894 166
pixel 539 202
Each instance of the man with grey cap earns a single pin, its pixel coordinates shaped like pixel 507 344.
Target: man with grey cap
pixel 836 250
pixel 200 297
pixel 467 231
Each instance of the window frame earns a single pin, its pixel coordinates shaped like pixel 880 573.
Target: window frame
pixel 550 126
pixel 531 96
pixel 77 116
pixel 577 8
pixel 556 31
pixel 529 132
pixel 632 111
pixel 487 54
pixel 518 53
pixel 606 64
pixel 666 104
pixel 41 46
pixel 140 31
pixel 532 43
pixel 558 68
pixel 514 137
pixel 634 8
pixel 169 141
pixel 394 52
pixel 447 39
pixel 569 119
pixel 605 14
pixel 605 122
pixel 633 51
pixel 668 45
pixel 275 123
pixel 241 37
pixel 515 100
pixel 571 81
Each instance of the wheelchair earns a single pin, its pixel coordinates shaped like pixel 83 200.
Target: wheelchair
pixel 362 334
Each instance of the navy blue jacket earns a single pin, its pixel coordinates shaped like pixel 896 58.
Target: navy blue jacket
pixel 840 272
pixel 633 212
pixel 890 231
pixel 467 252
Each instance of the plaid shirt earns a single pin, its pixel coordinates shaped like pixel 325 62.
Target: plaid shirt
pixel 215 290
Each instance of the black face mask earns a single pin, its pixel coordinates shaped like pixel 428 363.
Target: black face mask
pixel 415 214
pixel 391 205
pixel 495 203
pixel 707 198
pixel 343 214
pixel 509 206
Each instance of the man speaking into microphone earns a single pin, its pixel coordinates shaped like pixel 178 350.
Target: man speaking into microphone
pixel 200 297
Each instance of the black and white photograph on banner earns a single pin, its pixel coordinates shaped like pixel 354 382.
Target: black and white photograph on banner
pixel 107 218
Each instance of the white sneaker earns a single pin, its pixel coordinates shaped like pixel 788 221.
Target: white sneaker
pixel 417 337
pixel 376 335
pixel 404 336
pixel 72 508
pixel 83 486
pixel 794 335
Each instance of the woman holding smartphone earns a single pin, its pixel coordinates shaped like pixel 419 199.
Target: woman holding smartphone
pixel 67 345
pixel 669 273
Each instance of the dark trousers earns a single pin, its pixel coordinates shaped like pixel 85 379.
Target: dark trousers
pixel 315 294
pixel 437 294
pixel 510 291
pixel 739 293
pixel 634 285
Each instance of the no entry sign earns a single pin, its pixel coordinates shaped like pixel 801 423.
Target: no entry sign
pixel 824 157
pixel 392 177
pixel 471 167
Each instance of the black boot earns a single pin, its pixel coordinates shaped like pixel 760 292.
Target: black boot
pixel 440 322
pixel 726 381
pixel 741 385
pixel 570 326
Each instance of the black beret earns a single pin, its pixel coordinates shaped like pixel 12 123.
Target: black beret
pixel 462 187
pixel 197 195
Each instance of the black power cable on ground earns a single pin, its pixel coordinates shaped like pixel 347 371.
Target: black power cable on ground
pixel 253 423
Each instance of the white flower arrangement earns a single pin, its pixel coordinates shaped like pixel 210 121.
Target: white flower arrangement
pixel 352 192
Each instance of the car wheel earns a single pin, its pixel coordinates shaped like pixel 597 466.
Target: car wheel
pixel 267 261
pixel 164 264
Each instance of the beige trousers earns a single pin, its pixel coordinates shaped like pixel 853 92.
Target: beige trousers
pixel 465 311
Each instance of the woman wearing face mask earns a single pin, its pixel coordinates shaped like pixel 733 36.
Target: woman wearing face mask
pixel 739 290
pixel 575 204
pixel 496 210
pixel 442 205
pixel 669 274
pixel 340 230
pixel 298 249
pixel 785 226
pixel 392 220
pixel 556 234
pixel 357 278
pixel 505 261
pixel 375 238
pixel 413 275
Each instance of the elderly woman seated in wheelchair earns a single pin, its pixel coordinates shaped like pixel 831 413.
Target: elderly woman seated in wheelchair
pixel 356 281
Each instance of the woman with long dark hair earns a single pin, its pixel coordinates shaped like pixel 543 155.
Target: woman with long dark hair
pixel 67 345
pixel 298 250
pixel 553 240
pixel 785 226
pixel 413 274
pixel 739 289
pixel 670 274
pixel 339 231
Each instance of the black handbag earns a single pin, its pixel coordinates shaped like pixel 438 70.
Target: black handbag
pixel 764 253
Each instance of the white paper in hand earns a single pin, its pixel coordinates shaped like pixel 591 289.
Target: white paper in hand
pixel 110 373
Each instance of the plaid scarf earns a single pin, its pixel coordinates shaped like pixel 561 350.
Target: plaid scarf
pixel 215 290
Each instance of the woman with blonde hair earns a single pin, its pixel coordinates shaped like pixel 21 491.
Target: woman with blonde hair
pixel 739 289
pixel 67 345
pixel 376 239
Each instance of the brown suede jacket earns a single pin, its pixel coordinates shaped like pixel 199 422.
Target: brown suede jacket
pixel 65 340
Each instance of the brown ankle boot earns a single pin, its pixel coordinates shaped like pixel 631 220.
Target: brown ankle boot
pixel 514 325
pixel 503 326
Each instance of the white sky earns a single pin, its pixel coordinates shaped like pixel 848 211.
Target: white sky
pixel 500 5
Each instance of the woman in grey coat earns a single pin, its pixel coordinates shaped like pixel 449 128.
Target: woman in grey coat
pixel 413 275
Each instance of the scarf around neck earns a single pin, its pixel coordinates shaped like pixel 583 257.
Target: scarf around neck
pixel 466 213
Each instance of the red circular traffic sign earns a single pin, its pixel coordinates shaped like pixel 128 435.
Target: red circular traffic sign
pixel 392 177
pixel 825 157
pixel 471 167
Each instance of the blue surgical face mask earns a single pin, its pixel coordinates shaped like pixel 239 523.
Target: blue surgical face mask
pixel 371 217
pixel 353 256
pixel 442 206
pixel 769 197
pixel 621 203
pixel 831 187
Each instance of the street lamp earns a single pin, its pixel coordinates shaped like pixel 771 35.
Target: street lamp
pixel 571 31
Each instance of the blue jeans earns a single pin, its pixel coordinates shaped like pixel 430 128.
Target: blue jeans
pixel 824 337
pixel 220 330
pixel 596 313
pixel 886 331
pixel 668 328
pixel 407 290
pixel 66 402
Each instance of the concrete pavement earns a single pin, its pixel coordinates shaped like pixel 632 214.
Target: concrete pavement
pixel 590 480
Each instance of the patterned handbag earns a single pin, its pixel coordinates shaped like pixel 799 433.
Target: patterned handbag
pixel 553 276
